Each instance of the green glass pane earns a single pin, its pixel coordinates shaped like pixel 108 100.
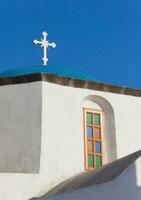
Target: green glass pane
pixel 98 161
pixel 90 160
pixel 97 119
pixel 89 118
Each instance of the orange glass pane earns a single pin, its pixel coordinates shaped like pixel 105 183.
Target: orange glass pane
pixel 97 133
pixel 90 146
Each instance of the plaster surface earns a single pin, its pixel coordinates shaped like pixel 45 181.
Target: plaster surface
pixel 59 121
pixel 123 187
pixel 62 123
pixel 20 128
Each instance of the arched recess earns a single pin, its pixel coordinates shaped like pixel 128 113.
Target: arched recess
pixel 109 131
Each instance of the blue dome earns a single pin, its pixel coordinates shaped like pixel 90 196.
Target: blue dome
pixel 65 72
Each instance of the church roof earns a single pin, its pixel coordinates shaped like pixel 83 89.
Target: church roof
pixel 62 76
pixel 102 175
pixel 65 72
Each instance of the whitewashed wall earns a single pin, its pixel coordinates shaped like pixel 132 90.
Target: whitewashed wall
pixel 62 145
pixel 127 186
pixel 62 125
pixel 20 127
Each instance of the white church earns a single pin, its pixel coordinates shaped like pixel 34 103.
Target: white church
pixel 66 136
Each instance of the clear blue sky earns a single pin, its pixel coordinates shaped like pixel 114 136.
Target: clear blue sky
pixel 101 38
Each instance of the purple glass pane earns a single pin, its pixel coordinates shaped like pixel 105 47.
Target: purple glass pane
pixel 89 132
pixel 98 147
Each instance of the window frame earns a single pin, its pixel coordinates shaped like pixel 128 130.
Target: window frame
pixel 93 111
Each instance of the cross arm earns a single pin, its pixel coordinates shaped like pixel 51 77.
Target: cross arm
pixel 37 42
pixel 53 45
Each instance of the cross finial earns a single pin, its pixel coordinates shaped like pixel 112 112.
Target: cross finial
pixel 45 44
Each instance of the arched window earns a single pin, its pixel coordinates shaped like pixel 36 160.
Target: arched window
pixel 93 126
pixel 99 132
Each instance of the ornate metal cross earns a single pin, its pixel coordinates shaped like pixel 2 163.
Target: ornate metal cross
pixel 45 44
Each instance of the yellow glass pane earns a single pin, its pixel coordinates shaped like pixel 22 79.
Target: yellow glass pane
pixel 90 146
pixel 97 133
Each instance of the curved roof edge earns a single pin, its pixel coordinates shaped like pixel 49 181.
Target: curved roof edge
pixel 102 175
pixel 70 82
pixel 62 71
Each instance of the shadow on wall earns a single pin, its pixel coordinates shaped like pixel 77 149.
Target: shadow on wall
pixel 109 133
pixel 124 187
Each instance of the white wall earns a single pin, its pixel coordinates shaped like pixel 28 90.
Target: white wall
pixel 65 133
pixel 124 187
pixel 62 141
pixel 62 128
pixel 20 127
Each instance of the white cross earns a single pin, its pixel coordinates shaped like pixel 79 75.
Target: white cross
pixel 45 44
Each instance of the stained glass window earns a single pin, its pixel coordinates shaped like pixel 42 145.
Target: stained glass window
pixel 93 139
